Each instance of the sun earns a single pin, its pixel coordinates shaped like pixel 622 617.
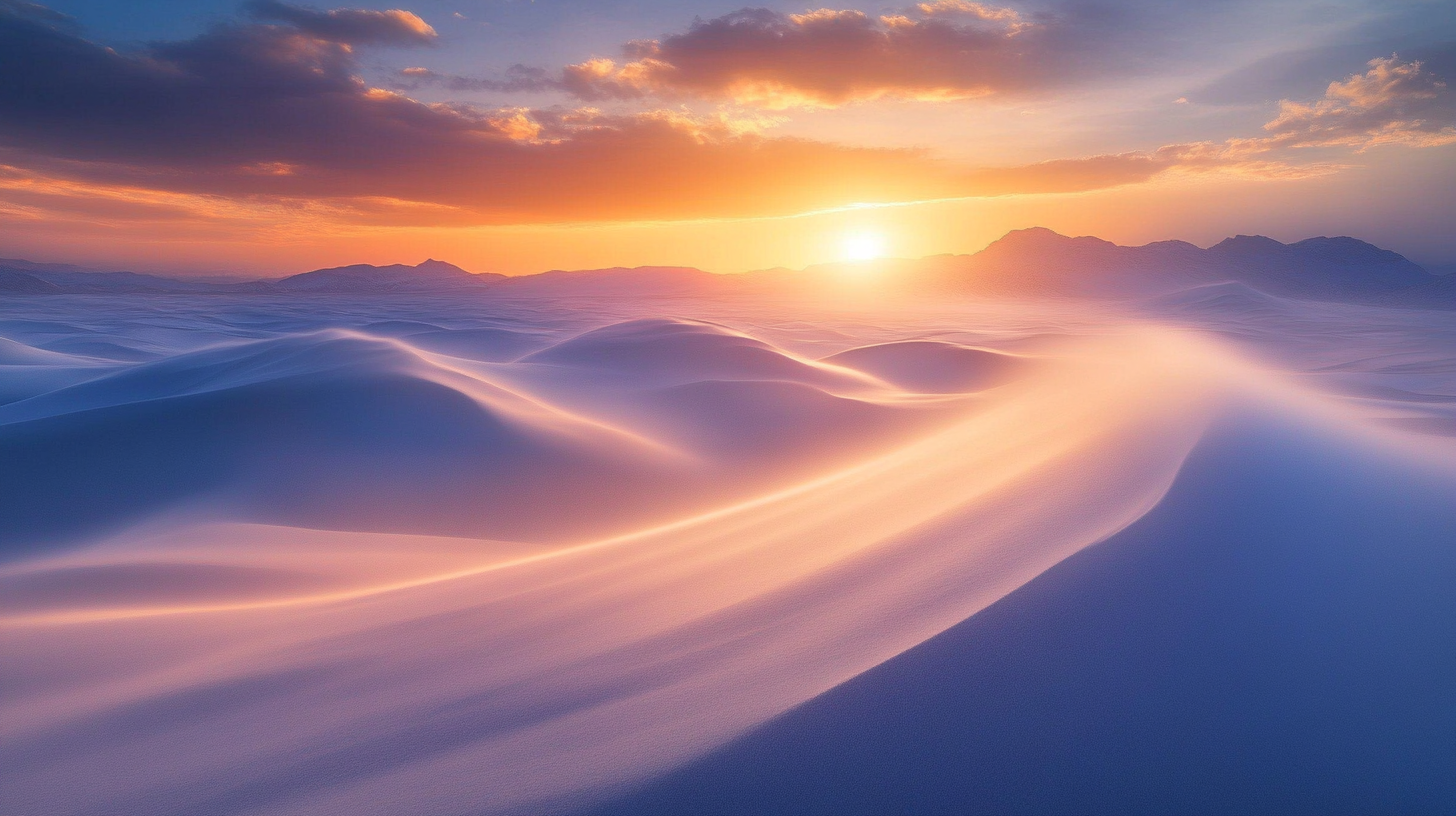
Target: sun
pixel 862 246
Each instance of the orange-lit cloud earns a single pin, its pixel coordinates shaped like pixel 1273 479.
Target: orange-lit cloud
pixel 950 49
pixel 571 167
pixel 979 10
pixel 1393 103
pixel 266 114
pixel 345 25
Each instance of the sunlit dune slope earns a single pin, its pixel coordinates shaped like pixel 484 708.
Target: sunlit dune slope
pixel 854 564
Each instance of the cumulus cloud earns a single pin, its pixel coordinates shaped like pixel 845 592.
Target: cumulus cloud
pixel 948 49
pixel 1393 103
pixel 351 26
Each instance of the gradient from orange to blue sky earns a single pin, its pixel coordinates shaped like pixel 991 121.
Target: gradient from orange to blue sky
pixel 267 138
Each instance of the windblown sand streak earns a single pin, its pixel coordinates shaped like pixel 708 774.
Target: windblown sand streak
pixel 599 662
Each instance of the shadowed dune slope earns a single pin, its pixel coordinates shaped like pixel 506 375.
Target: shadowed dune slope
pixel 929 366
pixel 656 352
pixel 312 428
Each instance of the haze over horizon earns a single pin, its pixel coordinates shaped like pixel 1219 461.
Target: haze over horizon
pixel 872 260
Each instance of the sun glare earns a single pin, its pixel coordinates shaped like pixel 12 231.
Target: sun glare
pixel 863 246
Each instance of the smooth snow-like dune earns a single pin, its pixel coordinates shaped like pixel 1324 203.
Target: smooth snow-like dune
pixel 313 428
pixel 486 344
pixel 19 354
pixel 310 562
pixel 27 371
pixel 565 670
pixel 657 352
pixel 1273 637
pixel 930 366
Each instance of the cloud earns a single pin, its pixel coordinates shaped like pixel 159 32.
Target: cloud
pixel 39 13
pixel 1011 17
pixel 949 49
pixel 351 26
pixel 274 119
pixel 1393 103
pixel 271 113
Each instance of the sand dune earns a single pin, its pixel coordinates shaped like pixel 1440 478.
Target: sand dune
pixel 444 557
pixel 1269 638
pixel 931 367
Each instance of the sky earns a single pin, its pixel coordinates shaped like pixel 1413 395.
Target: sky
pixel 268 138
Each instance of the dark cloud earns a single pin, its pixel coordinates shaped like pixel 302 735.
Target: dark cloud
pixel 226 96
pixel 353 26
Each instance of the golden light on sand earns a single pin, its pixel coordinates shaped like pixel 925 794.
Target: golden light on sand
pixel 862 246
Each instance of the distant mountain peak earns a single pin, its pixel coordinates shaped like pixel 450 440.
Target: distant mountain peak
pixel 1247 243
pixel 1040 261
pixel 1348 248
pixel 1043 238
pixel 1033 232
pixel 1035 261
pixel 17 282
pixel 1172 243
pixel 431 265
pixel 394 277
pixel 1030 235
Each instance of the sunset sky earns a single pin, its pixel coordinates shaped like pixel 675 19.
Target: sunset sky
pixel 266 138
